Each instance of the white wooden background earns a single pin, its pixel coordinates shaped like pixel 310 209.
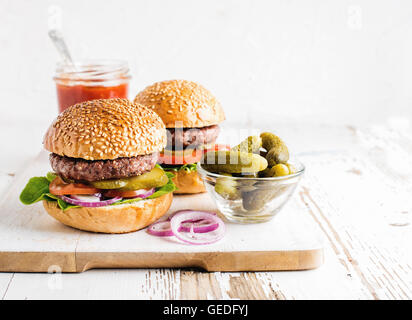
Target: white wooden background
pixel 332 78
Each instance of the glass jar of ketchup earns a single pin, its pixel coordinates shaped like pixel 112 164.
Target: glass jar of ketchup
pixel 89 80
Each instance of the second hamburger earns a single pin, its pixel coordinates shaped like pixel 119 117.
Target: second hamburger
pixel 191 115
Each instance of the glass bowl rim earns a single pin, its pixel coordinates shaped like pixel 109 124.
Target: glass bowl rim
pixel 289 176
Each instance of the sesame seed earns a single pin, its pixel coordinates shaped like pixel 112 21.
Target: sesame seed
pixel 111 128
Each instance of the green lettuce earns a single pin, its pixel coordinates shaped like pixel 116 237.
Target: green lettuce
pixel 37 189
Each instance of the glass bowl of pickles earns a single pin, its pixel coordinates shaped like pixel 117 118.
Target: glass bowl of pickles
pixel 252 181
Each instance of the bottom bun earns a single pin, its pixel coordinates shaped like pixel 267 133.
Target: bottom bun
pixel 188 182
pixel 120 218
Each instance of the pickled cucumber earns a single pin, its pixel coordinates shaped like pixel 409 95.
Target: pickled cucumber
pixel 233 162
pixel 277 155
pixel 109 183
pixel 245 175
pixel 277 149
pixel 250 145
pixel 280 170
pixel 246 185
pixel 227 188
pixel 152 179
pixel 292 168
pixel 268 172
pixel 270 140
pixel 255 200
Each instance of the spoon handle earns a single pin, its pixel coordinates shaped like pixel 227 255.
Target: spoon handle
pixel 57 37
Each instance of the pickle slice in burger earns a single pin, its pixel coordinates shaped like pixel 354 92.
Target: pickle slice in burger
pixel 153 179
pixel 109 184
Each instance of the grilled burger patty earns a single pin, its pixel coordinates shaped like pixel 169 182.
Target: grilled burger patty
pixel 194 137
pixel 88 170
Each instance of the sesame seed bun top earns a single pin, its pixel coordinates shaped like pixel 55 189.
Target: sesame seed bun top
pixel 182 104
pixel 105 129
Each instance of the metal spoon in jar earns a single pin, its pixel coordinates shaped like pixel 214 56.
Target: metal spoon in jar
pixel 57 37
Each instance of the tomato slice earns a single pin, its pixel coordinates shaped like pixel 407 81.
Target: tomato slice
pixel 217 147
pixel 124 194
pixel 187 156
pixel 59 188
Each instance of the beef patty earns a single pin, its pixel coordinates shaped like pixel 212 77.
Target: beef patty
pixel 181 138
pixel 88 170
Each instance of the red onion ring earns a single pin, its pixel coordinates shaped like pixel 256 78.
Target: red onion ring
pixel 198 226
pixel 188 210
pixel 162 228
pixel 90 204
pixel 192 237
pixel 92 198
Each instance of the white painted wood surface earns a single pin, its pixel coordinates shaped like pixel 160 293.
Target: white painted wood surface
pixel 349 191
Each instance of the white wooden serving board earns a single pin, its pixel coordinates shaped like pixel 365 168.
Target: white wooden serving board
pixel 32 241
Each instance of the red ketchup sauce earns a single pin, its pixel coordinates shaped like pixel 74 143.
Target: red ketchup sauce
pixel 90 80
pixel 70 95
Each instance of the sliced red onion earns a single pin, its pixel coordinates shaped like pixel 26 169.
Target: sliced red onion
pixel 188 210
pixel 87 198
pixel 192 237
pixel 91 204
pixel 199 226
pixel 143 193
pixel 162 228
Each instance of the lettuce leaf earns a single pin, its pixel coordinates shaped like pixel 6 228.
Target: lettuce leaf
pixel 37 189
pixel 51 176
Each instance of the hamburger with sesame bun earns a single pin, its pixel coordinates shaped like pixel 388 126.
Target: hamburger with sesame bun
pixel 192 116
pixel 105 178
